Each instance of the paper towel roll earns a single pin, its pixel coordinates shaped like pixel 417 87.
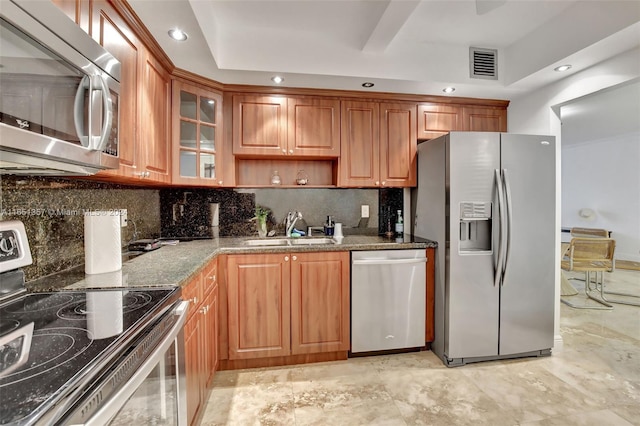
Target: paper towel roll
pixel 106 280
pixel 102 246
pixel 104 313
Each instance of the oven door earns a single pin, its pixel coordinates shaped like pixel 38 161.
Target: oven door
pixel 147 386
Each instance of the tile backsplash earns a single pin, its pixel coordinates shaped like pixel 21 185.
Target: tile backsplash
pixel 52 211
pixel 188 212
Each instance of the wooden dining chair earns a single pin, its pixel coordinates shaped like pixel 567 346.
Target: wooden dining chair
pixel 590 255
pixel 589 232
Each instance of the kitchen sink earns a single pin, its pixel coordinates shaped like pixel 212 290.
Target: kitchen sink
pixel 311 241
pixel 267 242
pixel 288 242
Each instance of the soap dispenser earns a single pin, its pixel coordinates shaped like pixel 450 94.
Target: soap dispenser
pixel 329 227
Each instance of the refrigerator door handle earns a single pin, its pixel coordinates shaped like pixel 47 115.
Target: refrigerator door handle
pixel 509 206
pixel 497 277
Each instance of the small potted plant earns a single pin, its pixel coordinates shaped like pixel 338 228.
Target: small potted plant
pixel 261 220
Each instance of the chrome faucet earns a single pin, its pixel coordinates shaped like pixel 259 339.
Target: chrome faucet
pixel 292 217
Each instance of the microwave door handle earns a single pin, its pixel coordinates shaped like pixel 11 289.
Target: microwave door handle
pixel 107 116
pixel 78 111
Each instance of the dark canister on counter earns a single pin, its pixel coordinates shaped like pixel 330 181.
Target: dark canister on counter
pixel 329 226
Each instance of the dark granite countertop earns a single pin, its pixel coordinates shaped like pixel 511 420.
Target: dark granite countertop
pixel 176 265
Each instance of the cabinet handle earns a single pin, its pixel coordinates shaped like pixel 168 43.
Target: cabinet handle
pixel 194 300
pixel 384 182
pixel 284 151
pixel 204 310
pixel 286 258
pixel 377 182
pixel 219 182
pixel 290 151
pixel 143 174
pixel 295 257
pixel 213 277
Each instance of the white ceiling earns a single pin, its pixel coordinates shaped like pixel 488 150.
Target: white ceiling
pixel 409 46
pixel 603 115
pixel 403 46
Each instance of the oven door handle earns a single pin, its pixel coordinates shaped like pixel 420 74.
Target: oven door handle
pixel 119 399
pixel 389 261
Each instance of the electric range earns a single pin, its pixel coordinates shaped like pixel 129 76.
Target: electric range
pixel 55 347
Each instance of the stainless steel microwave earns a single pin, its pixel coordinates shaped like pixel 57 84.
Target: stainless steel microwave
pixel 59 94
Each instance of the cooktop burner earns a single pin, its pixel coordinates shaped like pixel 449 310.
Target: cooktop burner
pixel 49 340
pixel 127 303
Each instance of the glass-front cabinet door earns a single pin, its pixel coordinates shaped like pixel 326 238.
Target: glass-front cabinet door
pixel 197 135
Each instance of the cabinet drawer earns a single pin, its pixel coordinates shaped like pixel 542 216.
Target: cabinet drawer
pixel 193 293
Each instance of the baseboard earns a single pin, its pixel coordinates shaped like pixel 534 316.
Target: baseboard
pixel 558 344
pixel 278 361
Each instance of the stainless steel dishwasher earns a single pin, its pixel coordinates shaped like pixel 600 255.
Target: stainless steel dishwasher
pixel 388 299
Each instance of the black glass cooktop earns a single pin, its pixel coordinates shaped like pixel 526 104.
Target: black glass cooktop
pixel 49 341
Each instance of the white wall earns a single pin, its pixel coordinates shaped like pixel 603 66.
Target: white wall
pixel 533 113
pixel 538 113
pixel 604 176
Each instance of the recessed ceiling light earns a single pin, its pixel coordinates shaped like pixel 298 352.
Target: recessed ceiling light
pixel 178 34
pixel 449 89
pixel 277 79
pixel 367 84
pixel 562 68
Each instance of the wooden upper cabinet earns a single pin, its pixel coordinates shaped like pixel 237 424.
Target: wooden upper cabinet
pixel 77 10
pixel 359 146
pixel 435 120
pixel 259 125
pixel 320 302
pixel 109 29
pixel 483 119
pixel 277 127
pixel 155 139
pixel 197 135
pixel 314 127
pixel 398 145
pixel 379 143
pixel 258 294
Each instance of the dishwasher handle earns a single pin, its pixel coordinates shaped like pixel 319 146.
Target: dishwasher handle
pixel 388 261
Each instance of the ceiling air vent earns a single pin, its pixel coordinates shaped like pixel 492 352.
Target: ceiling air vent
pixel 483 63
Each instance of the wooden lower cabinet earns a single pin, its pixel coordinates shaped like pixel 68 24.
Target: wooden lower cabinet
pixel 320 302
pixel 287 304
pixel 193 365
pixel 258 295
pixel 201 338
pixel 211 323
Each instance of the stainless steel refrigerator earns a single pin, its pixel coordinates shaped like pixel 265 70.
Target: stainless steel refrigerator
pixel 488 199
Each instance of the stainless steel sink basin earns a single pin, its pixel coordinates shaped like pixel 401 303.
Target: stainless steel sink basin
pixel 267 242
pixel 288 242
pixel 311 241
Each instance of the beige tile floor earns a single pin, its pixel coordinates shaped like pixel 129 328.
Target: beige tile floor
pixel 593 380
